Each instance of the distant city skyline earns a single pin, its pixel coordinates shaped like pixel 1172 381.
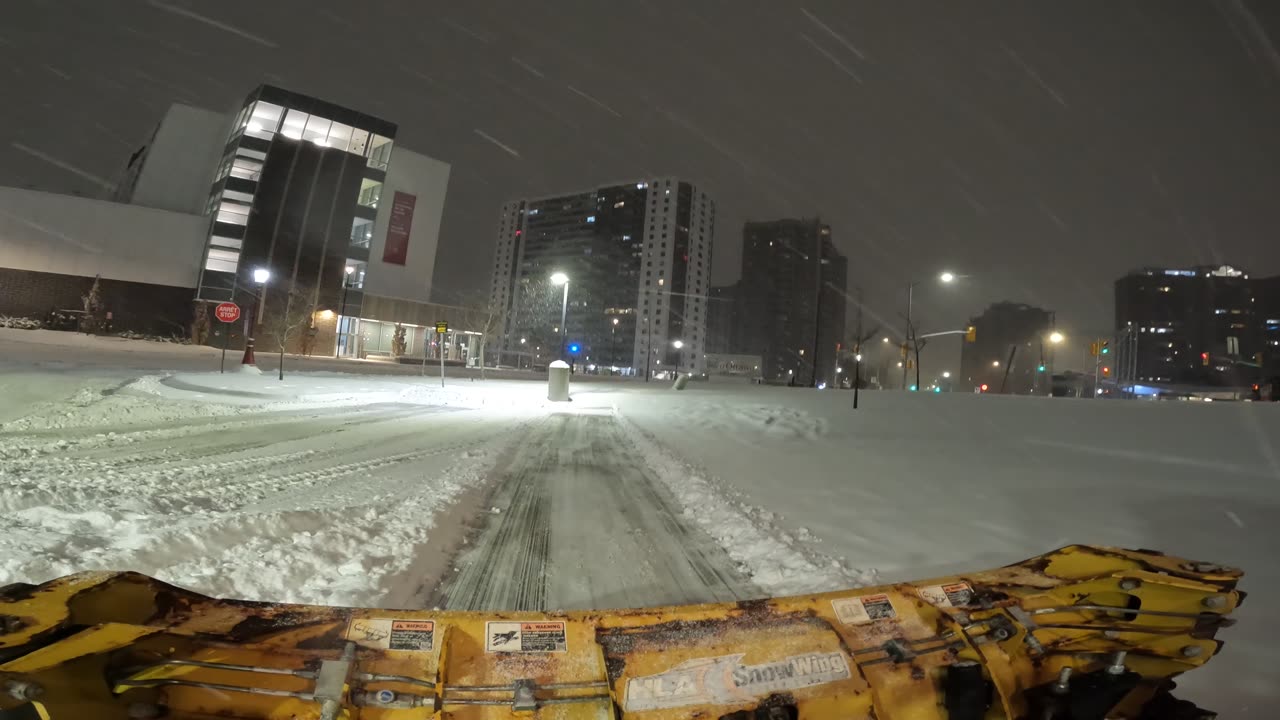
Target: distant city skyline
pixel 992 142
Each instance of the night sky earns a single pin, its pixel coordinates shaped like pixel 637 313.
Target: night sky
pixel 1042 149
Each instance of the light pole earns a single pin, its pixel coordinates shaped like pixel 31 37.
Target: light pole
pixel 342 313
pixel 260 276
pixel 560 278
pixel 946 278
pixel 1055 339
pixel 613 337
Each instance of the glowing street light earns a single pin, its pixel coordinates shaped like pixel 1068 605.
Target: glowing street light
pixel 947 277
pixel 1056 337
pixel 886 339
pixel 261 275
pixel 559 278
pixel 946 374
pixel 995 363
pixel 677 344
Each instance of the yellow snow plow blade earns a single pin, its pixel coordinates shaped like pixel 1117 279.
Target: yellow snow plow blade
pixel 1078 630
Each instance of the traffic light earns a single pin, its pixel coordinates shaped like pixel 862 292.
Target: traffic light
pixel 1106 371
pixel 913 388
pixel 1105 347
pixel 971 334
pixel 904 351
pixel 1040 368
pixel 1204 359
pixel 1093 348
pixel 574 348
pixel 983 387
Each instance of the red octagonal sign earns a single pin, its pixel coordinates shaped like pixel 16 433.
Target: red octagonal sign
pixel 227 312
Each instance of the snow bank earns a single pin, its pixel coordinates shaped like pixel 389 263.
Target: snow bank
pixel 774 560
pixel 920 485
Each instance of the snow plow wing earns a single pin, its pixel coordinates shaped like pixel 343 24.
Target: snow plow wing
pixel 1082 632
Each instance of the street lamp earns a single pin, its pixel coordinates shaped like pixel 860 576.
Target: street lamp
pixel 946 374
pixel 945 277
pixel 1056 338
pixel 260 276
pixel 559 278
pixel 995 363
pixel 342 313
pixel 677 344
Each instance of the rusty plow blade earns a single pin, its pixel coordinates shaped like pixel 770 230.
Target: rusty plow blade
pixel 1082 632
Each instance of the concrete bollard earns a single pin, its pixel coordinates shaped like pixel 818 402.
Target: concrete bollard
pixel 682 380
pixel 558 381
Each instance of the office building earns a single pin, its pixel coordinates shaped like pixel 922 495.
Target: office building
pixel 1196 326
pixel 307 190
pixel 638 259
pixel 791 309
pixel 1010 347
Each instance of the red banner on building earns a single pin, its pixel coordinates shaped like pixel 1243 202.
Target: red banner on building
pixel 398 228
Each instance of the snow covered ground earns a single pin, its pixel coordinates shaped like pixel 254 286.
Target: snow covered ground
pixel 338 488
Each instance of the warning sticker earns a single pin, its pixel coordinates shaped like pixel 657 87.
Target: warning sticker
pixel 865 609
pixel 393 634
pixel 950 595
pixel 724 680
pixel 525 637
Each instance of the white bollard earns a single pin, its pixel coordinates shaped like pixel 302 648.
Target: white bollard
pixel 681 381
pixel 558 381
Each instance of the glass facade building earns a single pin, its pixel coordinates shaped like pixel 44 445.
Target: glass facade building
pixel 296 193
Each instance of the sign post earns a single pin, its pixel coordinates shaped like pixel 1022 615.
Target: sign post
pixel 226 313
pixel 442 327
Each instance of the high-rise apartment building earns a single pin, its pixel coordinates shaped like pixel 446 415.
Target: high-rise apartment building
pixel 791 300
pixel 638 259
pixel 1193 326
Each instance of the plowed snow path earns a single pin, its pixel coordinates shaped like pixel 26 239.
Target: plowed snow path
pixel 321 506
pixel 578 520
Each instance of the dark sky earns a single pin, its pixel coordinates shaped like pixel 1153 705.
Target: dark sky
pixel 1042 148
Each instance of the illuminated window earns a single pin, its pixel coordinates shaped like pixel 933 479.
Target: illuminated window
pixel 294 124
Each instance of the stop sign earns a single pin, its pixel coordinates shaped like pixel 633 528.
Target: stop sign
pixel 227 312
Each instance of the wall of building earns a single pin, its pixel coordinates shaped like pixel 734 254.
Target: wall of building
pixel 69 235
pixel 141 307
pixel 427 179
pixel 179 163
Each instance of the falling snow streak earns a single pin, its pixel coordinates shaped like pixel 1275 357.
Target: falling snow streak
pixel 83 174
pixel 467 31
pixel 211 23
pixel 57 72
pixel 834 60
pixel 532 70
pixel 1053 216
pixel 512 151
pixel 839 38
pixel 594 101
pixel 1031 73
pixel 1237 10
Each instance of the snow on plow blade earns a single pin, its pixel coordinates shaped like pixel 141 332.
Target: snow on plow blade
pixel 1081 632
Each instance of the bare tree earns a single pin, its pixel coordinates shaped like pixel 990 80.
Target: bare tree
pixel 200 325
pixel 399 342
pixel 290 319
pixel 486 317
pixel 94 319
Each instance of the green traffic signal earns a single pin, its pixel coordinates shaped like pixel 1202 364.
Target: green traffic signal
pixel 1040 369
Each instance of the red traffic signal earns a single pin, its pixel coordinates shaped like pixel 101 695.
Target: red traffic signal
pixel 1204 359
pixel 1106 371
pixel 984 387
